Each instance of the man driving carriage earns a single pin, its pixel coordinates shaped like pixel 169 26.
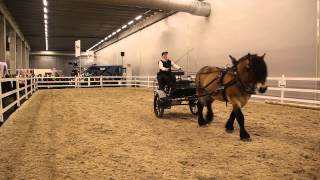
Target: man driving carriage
pixel 165 76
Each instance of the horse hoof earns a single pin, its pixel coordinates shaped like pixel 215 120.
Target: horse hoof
pixel 244 135
pixel 209 120
pixel 203 125
pixel 247 139
pixel 230 130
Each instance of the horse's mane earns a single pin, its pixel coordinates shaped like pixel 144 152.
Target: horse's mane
pixel 258 67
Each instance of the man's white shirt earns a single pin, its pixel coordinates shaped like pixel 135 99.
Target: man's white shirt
pixel 167 69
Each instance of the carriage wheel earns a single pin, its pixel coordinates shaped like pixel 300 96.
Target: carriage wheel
pixel 193 108
pixel 158 110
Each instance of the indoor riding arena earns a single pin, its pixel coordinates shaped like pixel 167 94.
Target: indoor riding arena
pixel 157 89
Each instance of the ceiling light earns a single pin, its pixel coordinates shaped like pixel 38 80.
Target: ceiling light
pixel 138 17
pixel 131 22
pixel 45 2
pixel 117 31
pixel 45 16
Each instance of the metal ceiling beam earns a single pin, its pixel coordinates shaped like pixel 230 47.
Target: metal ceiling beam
pixel 97 19
pixel 13 24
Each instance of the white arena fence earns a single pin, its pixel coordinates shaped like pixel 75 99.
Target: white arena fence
pixel 27 86
pixel 20 90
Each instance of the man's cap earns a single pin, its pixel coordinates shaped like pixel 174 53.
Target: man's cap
pixel 163 53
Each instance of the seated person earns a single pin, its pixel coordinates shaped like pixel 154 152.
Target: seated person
pixel 165 76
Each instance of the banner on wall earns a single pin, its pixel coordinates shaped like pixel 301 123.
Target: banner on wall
pixel 78 48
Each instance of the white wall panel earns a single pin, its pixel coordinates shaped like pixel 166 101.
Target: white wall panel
pixel 285 30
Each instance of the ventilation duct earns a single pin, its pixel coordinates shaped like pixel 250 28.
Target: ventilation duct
pixel 195 7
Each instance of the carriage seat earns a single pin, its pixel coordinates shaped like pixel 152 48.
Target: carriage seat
pixel 178 73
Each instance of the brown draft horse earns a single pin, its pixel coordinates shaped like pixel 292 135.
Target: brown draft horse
pixel 234 84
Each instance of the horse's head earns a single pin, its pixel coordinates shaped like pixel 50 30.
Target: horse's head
pixel 252 70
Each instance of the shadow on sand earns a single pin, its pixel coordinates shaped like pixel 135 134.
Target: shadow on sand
pixel 178 116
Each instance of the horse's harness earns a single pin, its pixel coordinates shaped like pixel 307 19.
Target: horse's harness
pixel 236 81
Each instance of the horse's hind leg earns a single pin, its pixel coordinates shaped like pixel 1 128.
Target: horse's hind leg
pixel 209 115
pixel 201 121
pixel 229 124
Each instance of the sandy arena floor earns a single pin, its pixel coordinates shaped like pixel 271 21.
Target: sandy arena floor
pixel 113 134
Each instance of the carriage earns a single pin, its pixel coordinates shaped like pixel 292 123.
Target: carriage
pixel 183 94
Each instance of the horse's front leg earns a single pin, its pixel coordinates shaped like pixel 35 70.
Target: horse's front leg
pixel 209 115
pixel 229 125
pixel 244 135
pixel 201 120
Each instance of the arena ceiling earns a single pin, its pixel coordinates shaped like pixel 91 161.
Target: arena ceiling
pixel 69 20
